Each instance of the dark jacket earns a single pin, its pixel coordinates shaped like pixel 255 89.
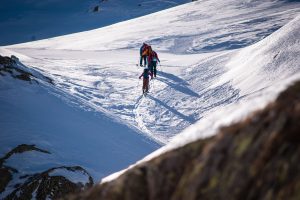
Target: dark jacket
pixel 146 74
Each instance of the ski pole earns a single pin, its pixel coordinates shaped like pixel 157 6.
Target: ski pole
pixel 138 83
pixel 160 67
pixel 137 65
pixel 153 84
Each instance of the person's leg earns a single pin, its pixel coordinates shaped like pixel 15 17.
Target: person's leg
pixel 154 68
pixel 145 57
pixel 147 84
pixel 144 85
pixel 150 66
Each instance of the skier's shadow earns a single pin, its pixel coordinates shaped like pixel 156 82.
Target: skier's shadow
pixel 177 83
pixel 189 119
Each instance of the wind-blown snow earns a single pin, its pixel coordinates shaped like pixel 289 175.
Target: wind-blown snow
pixel 98 67
pixel 31 114
pixel 23 21
pixel 210 63
pixel 263 70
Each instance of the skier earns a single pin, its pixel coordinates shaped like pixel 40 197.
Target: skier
pixel 143 57
pixel 146 77
pixel 151 59
pixel 154 59
pixel 147 51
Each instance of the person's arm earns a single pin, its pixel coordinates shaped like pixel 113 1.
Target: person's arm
pixel 141 56
pixel 141 75
pixel 141 61
pixel 157 57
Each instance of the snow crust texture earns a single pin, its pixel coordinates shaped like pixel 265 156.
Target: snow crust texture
pixel 262 149
pixel 98 67
pixel 220 60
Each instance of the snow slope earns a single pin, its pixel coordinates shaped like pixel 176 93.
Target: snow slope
pixel 260 71
pixel 23 21
pixel 36 113
pixel 194 42
pixel 204 70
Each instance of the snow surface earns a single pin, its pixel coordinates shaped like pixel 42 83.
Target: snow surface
pixel 33 114
pixel 207 71
pixel 28 20
pixel 75 177
pixel 263 70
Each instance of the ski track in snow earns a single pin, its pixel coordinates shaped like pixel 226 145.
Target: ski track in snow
pixel 195 45
pixel 114 88
pixel 205 71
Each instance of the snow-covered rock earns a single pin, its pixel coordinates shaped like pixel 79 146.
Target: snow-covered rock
pixel 94 115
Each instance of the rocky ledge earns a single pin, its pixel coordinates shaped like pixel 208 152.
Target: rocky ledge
pixel 13 67
pixel 257 158
pixel 49 184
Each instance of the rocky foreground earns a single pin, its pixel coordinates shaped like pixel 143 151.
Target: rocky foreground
pixel 48 183
pixel 257 158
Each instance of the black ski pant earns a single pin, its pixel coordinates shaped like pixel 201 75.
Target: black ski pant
pixel 153 68
pixel 143 58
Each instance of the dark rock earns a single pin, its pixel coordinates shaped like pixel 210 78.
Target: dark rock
pixel 43 185
pixel 21 149
pixel 5 61
pixel 46 186
pixel 6 171
pixel 24 77
pixel 257 158
pixel 8 65
pixel 5 177
pixel 96 9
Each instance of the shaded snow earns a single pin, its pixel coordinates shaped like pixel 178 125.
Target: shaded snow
pixel 73 176
pixel 31 114
pixel 208 70
pixel 101 72
pixel 272 75
pixel 23 21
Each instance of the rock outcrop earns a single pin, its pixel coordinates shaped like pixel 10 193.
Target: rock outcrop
pixel 13 67
pixel 46 186
pixel 49 184
pixel 257 158
pixel 6 172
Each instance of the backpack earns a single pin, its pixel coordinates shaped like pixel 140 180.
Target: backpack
pixel 153 56
pixel 150 50
pixel 143 48
pixel 146 74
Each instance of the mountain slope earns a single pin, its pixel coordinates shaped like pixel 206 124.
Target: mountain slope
pixel 94 115
pixel 263 150
pixel 23 21
pixel 286 41
pixel 33 113
pixel 195 45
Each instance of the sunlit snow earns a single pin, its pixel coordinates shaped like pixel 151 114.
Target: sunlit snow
pixel 212 64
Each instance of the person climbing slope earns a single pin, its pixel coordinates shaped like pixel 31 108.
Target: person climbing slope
pixel 151 59
pixel 146 73
pixel 143 57
pixel 147 54
pixel 154 59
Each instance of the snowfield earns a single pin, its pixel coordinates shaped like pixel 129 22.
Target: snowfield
pixel 220 60
pixel 23 21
